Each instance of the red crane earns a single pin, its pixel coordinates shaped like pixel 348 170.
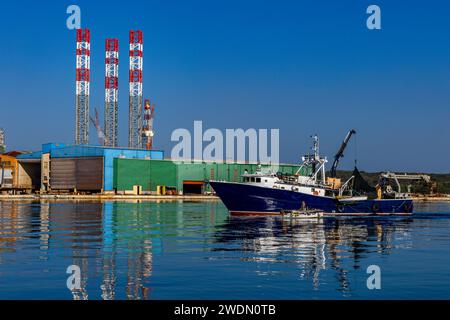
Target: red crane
pixel 147 127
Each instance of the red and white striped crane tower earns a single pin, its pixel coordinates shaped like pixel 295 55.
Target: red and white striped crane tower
pixel 111 91
pixel 83 53
pixel 135 102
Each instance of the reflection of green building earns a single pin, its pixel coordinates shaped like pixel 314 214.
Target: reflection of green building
pixel 184 176
pixel 135 234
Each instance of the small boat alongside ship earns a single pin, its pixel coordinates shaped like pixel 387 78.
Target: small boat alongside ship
pixel 273 193
pixel 302 214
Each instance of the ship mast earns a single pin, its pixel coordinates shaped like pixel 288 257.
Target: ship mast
pixel 315 147
pixel 315 162
pixel 318 160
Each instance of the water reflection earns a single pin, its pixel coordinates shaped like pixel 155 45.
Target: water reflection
pixel 116 245
pixel 127 223
pixel 314 245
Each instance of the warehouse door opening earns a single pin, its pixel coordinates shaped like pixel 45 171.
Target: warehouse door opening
pixel 30 174
pixel 193 187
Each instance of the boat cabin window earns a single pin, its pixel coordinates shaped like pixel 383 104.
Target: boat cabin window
pixel 253 179
pixel 265 180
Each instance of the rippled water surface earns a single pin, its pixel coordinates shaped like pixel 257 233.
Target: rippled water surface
pixel 194 250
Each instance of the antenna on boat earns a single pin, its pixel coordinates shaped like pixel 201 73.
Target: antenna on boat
pixel 316 145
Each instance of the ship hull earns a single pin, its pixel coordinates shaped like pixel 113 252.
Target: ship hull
pixel 244 199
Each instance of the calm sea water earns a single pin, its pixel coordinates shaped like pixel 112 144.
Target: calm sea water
pixel 194 250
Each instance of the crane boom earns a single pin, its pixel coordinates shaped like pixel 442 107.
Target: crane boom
pixel 100 132
pixel 340 153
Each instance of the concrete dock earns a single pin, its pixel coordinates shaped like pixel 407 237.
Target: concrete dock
pixel 108 197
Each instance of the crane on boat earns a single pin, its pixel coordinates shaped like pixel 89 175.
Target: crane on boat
pixel 340 153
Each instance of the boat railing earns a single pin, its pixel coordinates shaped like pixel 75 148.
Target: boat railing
pixel 345 186
pixel 298 184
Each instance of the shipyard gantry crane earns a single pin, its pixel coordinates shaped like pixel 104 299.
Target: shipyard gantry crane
pixel 82 86
pixel 135 107
pixel 111 92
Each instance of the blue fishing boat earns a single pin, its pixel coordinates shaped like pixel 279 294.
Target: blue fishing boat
pixel 266 193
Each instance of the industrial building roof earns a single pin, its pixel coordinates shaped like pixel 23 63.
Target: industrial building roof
pixel 58 150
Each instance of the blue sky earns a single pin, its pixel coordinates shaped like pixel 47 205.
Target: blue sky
pixel 302 66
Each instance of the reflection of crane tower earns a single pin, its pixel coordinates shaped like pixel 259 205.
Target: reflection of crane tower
pixel 135 108
pixel 111 91
pixel 2 141
pixel 147 127
pixel 108 285
pixel 82 86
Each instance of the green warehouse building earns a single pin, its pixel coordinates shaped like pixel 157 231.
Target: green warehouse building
pixel 187 177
